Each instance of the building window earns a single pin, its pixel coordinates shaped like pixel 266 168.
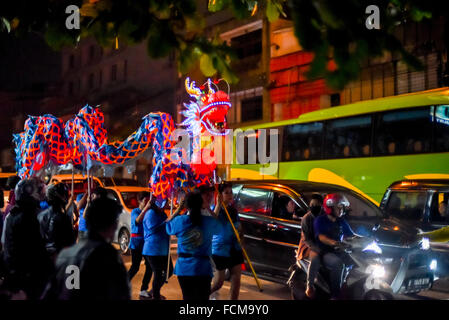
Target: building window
pixel 114 73
pixel 91 52
pixel 335 99
pixel 91 81
pixel 100 78
pixel 249 44
pixel 252 109
pixel 72 61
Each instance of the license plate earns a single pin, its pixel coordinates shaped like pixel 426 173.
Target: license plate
pixel 420 282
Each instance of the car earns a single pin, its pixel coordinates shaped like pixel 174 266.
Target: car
pixel 3 179
pixel 80 180
pixel 271 241
pixel 418 203
pixel 125 195
pixel 128 198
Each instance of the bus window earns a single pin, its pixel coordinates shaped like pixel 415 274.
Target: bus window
pixel 404 132
pixel 302 141
pixel 348 137
pixel 442 129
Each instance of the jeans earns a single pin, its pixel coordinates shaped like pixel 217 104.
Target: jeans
pixel 196 288
pixel 314 267
pixel 159 267
pixel 136 258
pixel 334 263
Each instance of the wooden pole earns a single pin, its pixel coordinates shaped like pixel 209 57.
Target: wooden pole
pixel 169 241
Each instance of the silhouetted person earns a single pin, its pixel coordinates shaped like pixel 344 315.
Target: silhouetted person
pixel 55 224
pixel 102 275
pixel 27 263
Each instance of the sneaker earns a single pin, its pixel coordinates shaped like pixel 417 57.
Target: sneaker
pixel 146 294
pixel 214 296
pixel 160 298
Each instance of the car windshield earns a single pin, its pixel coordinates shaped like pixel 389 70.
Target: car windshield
pixel 130 199
pixel 112 182
pixel 407 205
pixel 359 206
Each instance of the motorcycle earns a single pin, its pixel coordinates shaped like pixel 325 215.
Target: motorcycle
pixel 363 275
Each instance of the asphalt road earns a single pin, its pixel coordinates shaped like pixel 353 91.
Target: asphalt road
pixel 271 290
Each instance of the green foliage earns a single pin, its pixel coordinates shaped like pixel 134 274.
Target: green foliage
pixel 330 29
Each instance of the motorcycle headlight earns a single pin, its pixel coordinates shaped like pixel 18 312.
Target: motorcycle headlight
pixel 425 244
pixel 377 271
pixel 433 265
pixel 373 247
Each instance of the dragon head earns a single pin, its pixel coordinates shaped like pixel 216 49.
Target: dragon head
pixel 208 111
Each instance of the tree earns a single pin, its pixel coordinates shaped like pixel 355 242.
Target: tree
pixel 328 28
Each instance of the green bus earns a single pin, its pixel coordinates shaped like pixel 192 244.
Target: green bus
pixel 364 146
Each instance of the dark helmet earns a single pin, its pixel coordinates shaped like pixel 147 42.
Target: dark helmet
pixel 57 193
pixel 32 189
pixel 334 200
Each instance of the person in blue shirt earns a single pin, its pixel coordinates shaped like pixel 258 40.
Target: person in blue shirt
pixel 81 201
pixel 83 204
pixel 194 232
pixel 137 241
pixel 226 251
pixel 156 247
pixel 330 229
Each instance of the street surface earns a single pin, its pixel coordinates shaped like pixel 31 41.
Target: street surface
pixel 271 290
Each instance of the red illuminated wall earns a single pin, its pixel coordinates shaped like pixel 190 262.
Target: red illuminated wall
pixel 290 86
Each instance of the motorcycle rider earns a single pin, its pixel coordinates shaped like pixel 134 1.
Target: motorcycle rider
pixel 329 231
pixel 308 246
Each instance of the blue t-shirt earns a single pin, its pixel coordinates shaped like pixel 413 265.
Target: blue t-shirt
pixel 333 230
pixel 156 238
pixel 136 228
pixel 81 221
pixel 225 240
pixel 196 241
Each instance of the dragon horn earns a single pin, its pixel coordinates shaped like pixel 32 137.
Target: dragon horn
pixel 211 90
pixel 191 89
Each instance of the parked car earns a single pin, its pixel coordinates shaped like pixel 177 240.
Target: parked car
pixel 421 204
pixel 127 196
pixel 271 241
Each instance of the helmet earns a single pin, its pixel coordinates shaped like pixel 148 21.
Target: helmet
pixel 32 189
pixel 332 200
pixel 58 192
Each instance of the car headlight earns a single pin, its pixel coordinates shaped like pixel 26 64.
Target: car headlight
pixel 433 265
pixel 425 243
pixel 373 247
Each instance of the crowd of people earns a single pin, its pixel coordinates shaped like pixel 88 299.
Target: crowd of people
pixel 54 247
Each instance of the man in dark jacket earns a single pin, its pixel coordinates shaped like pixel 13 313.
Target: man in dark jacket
pixel 92 269
pixel 55 224
pixel 27 264
pixel 308 247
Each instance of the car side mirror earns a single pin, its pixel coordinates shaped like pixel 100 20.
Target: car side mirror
pixel 375 227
